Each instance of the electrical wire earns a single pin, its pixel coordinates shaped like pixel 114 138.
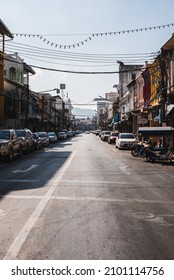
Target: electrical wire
pixel 101 60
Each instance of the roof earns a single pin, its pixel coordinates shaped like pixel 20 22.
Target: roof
pixel 29 69
pixel 4 30
pixel 156 131
pixel 169 44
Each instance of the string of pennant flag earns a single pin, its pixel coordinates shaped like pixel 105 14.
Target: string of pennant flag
pixel 41 37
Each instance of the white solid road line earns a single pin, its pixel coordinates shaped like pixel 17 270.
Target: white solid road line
pixel 25 231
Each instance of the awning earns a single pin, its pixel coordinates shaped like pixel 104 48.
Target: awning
pixel 156 131
pixel 169 108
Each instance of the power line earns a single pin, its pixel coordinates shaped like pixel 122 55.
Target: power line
pixel 79 72
pixel 56 57
pixel 83 72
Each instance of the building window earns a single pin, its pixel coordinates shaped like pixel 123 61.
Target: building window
pixel 133 76
pixel 12 74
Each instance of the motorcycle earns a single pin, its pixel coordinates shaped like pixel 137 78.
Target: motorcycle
pixel 139 150
pixel 159 154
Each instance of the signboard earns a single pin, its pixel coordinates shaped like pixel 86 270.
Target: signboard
pixel 141 120
pixel 62 86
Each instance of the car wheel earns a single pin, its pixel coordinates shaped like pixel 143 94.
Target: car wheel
pixel 10 156
pixel 20 152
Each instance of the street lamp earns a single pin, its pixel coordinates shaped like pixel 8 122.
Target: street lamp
pixel 45 91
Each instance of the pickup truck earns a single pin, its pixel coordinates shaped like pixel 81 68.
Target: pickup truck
pixel 10 144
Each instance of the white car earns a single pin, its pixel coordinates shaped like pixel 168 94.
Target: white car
pixel 104 135
pixel 125 140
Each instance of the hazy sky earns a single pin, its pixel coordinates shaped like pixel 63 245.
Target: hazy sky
pixel 72 22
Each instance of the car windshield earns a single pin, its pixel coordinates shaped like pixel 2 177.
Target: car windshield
pixel 20 133
pixel 107 132
pixel 51 133
pixel 42 134
pixel 127 136
pixel 4 135
pixel 114 134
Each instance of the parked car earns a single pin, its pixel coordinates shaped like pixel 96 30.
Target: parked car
pixel 52 137
pixel 69 133
pixel 104 135
pixel 125 140
pixel 26 137
pixel 10 144
pixel 112 137
pixel 36 141
pixel 44 138
pixel 62 135
pixel 97 132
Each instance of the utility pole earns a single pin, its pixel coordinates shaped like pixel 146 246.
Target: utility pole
pixel 4 31
pixel 163 89
pixel 27 105
pixel 42 118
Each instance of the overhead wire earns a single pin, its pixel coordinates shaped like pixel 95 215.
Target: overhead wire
pixel 30 48
pixel 35 53
pixel 79 72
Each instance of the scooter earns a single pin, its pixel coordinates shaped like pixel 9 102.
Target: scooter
pixel 159 154
pixel 139 150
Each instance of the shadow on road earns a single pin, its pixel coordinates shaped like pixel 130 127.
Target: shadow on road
pixel 33 170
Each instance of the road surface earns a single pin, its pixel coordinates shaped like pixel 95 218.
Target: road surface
pixel 84 199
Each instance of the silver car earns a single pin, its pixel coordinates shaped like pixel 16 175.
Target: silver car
pixel 43 138
pixel 52 137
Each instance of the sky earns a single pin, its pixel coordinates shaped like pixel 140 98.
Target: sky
pixel 66 51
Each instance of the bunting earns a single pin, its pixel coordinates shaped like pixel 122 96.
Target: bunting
pixel 91 36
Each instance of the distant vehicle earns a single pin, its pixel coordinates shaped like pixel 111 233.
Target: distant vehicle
pixel 44 138
pixel 10 144
pixel 125 140
pixel 62 135
pixel 112 137
pixel 69 133
pixel 104 135
pixel 52 137
pixel 26 137
pixel 97 132
pixel 36 141
pixel 87 132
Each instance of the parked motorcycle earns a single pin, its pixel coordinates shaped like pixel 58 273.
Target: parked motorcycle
pixel 159 154
pixel 139 150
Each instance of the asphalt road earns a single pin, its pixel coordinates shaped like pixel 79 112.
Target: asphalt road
pixel 83 199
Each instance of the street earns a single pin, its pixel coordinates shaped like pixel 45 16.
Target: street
pixel 83 199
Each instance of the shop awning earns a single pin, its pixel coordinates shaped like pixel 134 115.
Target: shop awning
pixel 156 131
pixel 169 108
